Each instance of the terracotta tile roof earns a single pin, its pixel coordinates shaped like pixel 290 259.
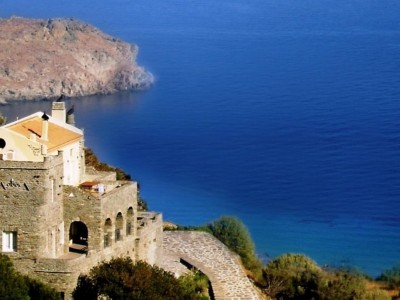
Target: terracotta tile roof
pixel 58 136
pixel 89 184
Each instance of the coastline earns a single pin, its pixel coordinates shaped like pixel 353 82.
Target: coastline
pixel 47 59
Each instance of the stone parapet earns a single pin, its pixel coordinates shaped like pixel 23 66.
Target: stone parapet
pixel 150 237
pixel 48 163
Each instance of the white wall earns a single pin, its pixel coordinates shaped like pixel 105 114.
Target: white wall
pixel 72 161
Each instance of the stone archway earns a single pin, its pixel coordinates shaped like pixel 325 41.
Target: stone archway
pixel 78 237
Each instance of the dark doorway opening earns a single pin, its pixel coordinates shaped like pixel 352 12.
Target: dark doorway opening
pixel 78 237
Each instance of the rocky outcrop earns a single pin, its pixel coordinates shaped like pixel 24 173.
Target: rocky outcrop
pixel 44 59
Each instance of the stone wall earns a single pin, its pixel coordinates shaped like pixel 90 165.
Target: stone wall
pixel 28 192
pixel 93 209
pixel 115 206
pixel 63 273
pixel 58 273
pixel 150 237
pixel 35 205
pixel 80 206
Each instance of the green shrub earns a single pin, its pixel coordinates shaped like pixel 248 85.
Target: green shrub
pixel 295 276
pixel 40 291
pixel 14 286
pixel 292 276
pixel 234 234
pixel 344 284
pixel 120 278
pixel 196 283
pixel 189 228
pixel 391 277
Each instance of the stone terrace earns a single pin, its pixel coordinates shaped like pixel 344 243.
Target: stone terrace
pixel 214 259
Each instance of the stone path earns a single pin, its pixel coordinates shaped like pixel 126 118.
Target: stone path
pixel 214 259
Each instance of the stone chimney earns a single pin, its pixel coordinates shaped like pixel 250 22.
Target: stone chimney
pixel 45 127
pixel 71 116
pixel 58 111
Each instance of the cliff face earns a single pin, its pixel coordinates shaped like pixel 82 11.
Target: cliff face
pixel 42 59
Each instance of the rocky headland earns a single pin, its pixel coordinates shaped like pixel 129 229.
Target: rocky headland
pixel 44 59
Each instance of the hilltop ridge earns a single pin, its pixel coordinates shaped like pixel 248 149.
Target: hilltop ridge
pixel 44 59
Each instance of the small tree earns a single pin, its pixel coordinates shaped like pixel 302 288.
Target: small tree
pixel 234 234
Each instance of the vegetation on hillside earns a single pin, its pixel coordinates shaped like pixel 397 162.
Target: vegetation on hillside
pixel 121 278
pixel 391 277
pixel 14 286
pixel 92 161
pixel 295 276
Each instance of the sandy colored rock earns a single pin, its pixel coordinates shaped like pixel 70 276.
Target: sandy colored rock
pixel 44 59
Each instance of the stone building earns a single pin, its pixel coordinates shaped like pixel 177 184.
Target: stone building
pixel 59 218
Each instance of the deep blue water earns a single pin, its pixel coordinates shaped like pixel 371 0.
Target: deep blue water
pixel 283 113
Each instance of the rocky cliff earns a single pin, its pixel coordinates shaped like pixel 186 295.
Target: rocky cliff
pixel 44 59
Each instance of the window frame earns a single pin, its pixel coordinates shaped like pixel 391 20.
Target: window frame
pixel 9 241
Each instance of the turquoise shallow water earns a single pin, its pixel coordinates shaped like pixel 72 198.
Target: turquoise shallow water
pixel 285 114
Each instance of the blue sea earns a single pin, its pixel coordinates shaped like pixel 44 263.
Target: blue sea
pixel 283 113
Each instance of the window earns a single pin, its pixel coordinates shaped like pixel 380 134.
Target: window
pixel 119 225
pixel 9 241
pixel 107 233
pixel 128 228
pixel 129 221
pixel 107 240
pixel 118 236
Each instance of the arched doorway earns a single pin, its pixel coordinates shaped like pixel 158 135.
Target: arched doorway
pixel 78 237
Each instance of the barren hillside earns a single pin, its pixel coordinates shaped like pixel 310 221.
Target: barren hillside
pixel 48 58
